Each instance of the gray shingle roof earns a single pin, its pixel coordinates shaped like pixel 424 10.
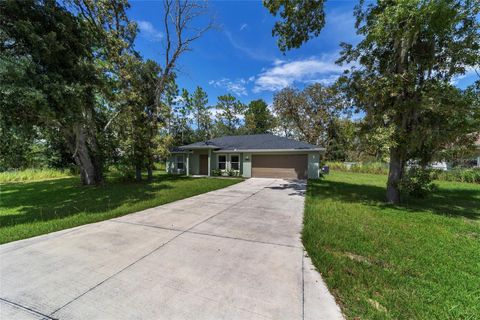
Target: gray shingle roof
pixel 252 142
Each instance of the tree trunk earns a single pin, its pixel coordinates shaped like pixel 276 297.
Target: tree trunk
pixel 150 172
pixel 395 174
pixel 85 157
pixel 138 172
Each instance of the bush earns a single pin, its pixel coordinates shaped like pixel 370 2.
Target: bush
pixel 418 182
pixel 368 167
pixel 371 167
pixel 233 173
pixel 461 175
pixel 216 172
pixel 159 166
pixel 337 166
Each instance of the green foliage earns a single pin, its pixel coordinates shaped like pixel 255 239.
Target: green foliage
pixel 233 173
pixel 228 121
pixel 58 69
pixel 258 118
pixel 311 115
pixel 301 20
pixel 418 182
pixel 160 166
pixel 199 101
pixel 360 167
pixel 409 55
pixel 342 140
pixel 33 174
pixel 137 124
pixel 216 172
pixel 460 175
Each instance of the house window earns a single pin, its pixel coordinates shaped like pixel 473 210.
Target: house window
pixel 235 162
pixel 180 162
pixel 222 162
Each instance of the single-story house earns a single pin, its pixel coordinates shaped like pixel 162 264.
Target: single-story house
pixel 257 155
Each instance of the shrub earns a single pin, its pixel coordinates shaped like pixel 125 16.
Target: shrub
pixel 337 166
pixel 418 182
pixel 368 167
pixel 216 172
pixel 159 166
pixel 461 175
pixel 233 173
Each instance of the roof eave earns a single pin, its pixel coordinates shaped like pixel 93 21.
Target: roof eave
pixel 319 149
pixel 198 147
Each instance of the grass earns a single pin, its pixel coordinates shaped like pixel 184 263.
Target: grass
pixel 33 175
pixel 420 260
pixel 29 209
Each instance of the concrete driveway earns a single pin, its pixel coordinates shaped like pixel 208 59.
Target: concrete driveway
pixel 233 253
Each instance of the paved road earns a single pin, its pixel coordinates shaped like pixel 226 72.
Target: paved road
pixel 233 253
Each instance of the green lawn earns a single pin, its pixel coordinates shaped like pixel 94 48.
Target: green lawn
pixel 28 209
pixel 420 260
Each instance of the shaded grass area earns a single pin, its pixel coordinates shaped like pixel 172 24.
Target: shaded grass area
pixel 28 209
pixel 420 260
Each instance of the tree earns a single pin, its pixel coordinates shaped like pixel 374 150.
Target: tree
pixel 183 133
pixel 302 20
pixel 48 62
pixel 59 65
pixel 228 116
pixel 199 102
pixel 137 130
pixel 409 56
pixel 258 118
pixel 342 134
pixel 310 113
pixel 179 18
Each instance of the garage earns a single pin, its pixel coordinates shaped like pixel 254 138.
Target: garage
pixel 292 166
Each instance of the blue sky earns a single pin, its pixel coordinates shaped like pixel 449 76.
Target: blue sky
pixel 241 56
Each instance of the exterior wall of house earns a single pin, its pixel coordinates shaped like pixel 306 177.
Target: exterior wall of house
pixel 313 165
pixel 194 163
pixel 244 158
pixel 247 165
pixel 171 164
pixel 214 160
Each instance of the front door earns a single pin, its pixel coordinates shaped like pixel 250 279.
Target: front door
pixel 204 164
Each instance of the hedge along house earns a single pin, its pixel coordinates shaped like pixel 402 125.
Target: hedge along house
pixel 258 155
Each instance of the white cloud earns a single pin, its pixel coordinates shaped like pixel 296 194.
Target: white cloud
pixel 243 27
pixel 282 74
pixel 237 87
pixel 254 53
pixel 149 31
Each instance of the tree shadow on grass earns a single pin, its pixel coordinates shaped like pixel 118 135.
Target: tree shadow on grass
pixel 462 202
pixel 60 198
